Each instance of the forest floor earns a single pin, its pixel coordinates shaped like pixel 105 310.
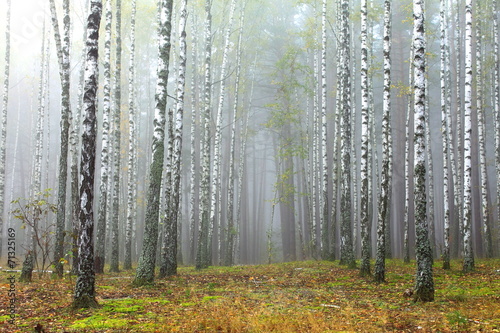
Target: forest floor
pixel 309 296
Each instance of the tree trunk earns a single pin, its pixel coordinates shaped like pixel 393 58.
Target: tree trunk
pixel 445 129
pixel 424 284
pixel 132 155
pixel 383 200
pixel 105 154
pixel 346 248
pixel 365 230
pixel 64 71
pixel 146 267
pixel 84 296
pixel 467 176
pixel 115 213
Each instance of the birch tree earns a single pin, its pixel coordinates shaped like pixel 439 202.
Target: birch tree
pixel 231 227
pixel 84 296
pixel 383 200
pixel 104 182
pixel 325 217
pixel 445 128
pixel 64 73
pixel 365 230
pixel 346 247
pixel 177 147
pixel 468 264
pixel 132 155
pixel 3 120
pixel 146 267
pixel 424 284
pixel 481 115
pixel 496 89
pixel 216 173
pixel 202 259
pixel 115 213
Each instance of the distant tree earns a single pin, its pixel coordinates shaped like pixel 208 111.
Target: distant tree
pixel 346 246
pixel 104 182
pixel 115 212
pixel 424 285
pixel 496 94
pixel 3 119
pixel 177 125
pixel 146 267
pixel 231 226
pixel 63 54
pixel 84 296
pixel 468 264
pixel 324 209
pixel 202 253
pixel 132 155
pixel 445 128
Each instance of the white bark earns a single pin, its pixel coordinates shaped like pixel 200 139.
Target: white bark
pixel 132 155
pixel 467 175
pixel 104 185
pixel 216 168
pixel 384 200
pixel 85 284
pixel 445 128
pixel 324 147
pixel 424 284
pixel 365 230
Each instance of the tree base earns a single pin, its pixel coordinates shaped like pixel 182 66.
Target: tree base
pixel 85 302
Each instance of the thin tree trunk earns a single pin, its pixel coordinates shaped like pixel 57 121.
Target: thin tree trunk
pixel 424 284
pixel 445 129
pixel 231 229
pixel 383 200
pixel 467 209
pixel 64 71
pixel 202 260
pixel 115 213
pixel 84 296
pixel 146 267
pixel 365 231
pixel 105 154
pixel 132 156
pixel 346 248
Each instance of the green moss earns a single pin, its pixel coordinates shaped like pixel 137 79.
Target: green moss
pixel 99 322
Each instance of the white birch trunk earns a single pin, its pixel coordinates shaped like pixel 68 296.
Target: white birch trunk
pixel 215 209
pixel 496 89
pixel 445 128
pixel 146 267
pixel 365 230
pixel 383 200
pixel 346 250
pixel 324 147
pixel 424 284
pixel 202 259
pixel 104 185
pixel 115 217
pixel 481 114
pixel 63 54
pixel 231 228
pixel 84 296
pixel 132 156
pixel 468 264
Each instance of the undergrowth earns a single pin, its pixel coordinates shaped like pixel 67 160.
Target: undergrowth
pixel 308 296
